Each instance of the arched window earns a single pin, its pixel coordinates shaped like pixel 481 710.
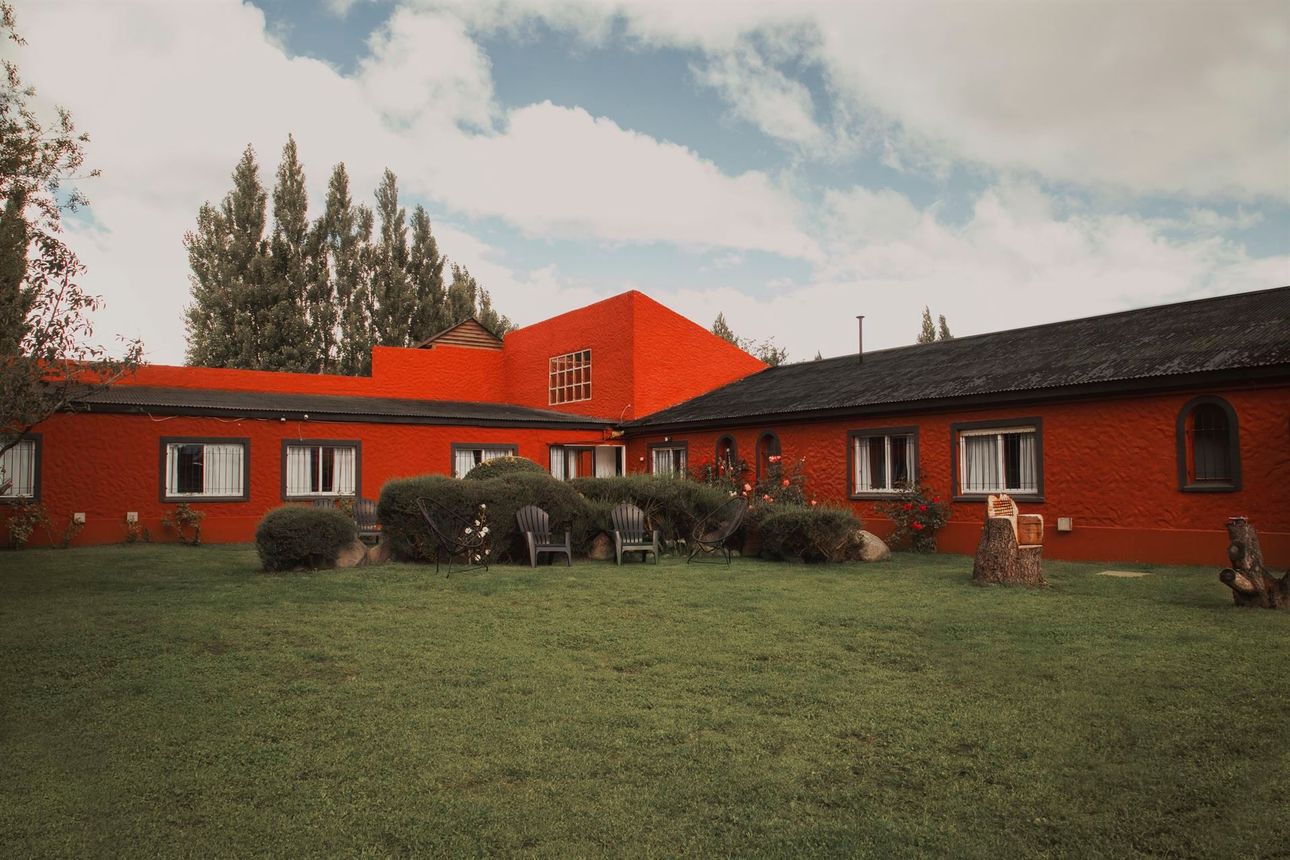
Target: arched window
pixel 1209 450
pixel 767 448
pixel 727 457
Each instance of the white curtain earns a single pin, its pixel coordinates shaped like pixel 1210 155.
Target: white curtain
pixel 222 470
pixel 980 463
pixel 463 461
pixel 18 465
pixel 1027 458
pixel 662 461
pixel 299 481
pixel 557 463
pixel 493 453
pixel 864 477
pixel 346 459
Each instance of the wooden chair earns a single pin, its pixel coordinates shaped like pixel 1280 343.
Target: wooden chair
pixel 712 532
pixel 536 526
pixel 449 536
pixel 369 526
pixel 630 534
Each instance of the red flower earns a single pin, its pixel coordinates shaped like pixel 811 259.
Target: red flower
pixel 918 527
pixel 908 506
pixel 785 482
pixel 922 507
pixel 935 499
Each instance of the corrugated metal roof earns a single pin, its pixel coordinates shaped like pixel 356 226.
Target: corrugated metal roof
pixel 199 401
pixel 1227 333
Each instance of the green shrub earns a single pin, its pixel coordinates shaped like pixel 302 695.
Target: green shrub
pixel 501 466
pixel 404 527
pixel 673 505
pixel 293 537
pixel 805 533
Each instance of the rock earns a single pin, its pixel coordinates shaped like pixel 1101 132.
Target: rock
pixel 379 553
pixel 352 555
pixel 602 548
pixel 872 547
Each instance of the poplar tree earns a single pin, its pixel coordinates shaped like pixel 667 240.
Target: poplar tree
pixel 229 261
pixel 392 301
pixel 460 303
pixel 338 295
pixel 943 330
pixel 928 333
pixel 425 269
pixel 284 326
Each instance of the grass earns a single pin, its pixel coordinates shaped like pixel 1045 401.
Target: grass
pixel 162 700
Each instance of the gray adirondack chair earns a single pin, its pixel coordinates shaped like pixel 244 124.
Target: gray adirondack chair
pixel 536 526
pixel 630 533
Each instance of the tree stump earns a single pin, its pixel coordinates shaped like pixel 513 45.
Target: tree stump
pixel 1000 560
pixel 1250 581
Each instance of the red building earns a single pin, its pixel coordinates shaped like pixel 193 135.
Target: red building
pixel 1135 434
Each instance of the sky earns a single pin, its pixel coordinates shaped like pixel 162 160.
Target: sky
pixel 788 164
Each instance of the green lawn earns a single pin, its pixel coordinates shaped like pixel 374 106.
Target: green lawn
pixel 162 700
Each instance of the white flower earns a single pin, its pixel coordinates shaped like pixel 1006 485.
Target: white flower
pixel 486 552
pixel 482 506
pixel 469 530
pixel 484 530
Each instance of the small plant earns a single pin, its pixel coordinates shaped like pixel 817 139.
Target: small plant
pixel 918 515
pixel 780 486
pixel 724 474
pixel 478 536
pixel 23 522
pixel 184 519
pixel 137 532
pixel 70 531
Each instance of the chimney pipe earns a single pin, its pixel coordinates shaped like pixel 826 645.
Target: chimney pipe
pixel 860 339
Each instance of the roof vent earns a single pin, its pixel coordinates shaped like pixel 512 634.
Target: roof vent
pixel 860 339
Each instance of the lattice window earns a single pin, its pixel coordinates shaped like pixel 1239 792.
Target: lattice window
pixel 570 377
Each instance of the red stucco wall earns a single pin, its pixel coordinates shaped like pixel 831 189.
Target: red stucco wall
pixel 1109 464
pixel 106 465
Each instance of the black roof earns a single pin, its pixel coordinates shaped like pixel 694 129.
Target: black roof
pixel 326 407
pixel 1241 336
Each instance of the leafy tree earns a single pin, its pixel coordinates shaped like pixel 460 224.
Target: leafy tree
pixel 928 333
pixel 943 330
pixel 764 350
pixel 722 330
pixel 46 361
pixel 340 309
pixel 466 299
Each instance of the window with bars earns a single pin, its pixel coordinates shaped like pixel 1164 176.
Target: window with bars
pixel 19 471
pixel 999 459
pixel 669 460
pixel 467 456
pixel 883 460
pixel 1209 453
pixel 210 469
pixel 569 378
pixel 320 469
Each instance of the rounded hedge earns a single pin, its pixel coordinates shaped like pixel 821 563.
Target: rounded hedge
pixel 793 533
pixel 501 466
pixel 404 527
pixel 673 505
pixel 297 537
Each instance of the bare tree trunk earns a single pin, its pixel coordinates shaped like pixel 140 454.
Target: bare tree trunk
pixel 1251 583
pixel 1000 560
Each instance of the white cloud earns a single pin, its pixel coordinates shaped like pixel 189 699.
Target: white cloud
pixel 764 96
pixel 1172 98
pixel 1015 262
pixel 172 93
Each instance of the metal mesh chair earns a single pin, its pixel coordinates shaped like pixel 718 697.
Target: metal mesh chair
pixel 453 535
pixel 712 532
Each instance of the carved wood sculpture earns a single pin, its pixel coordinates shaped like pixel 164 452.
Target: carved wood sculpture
pixel 1011 545
pixel 1250 581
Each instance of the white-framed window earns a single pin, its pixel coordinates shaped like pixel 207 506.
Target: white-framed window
pixel 883 460
pixel 669 460
pixel 205 469
pixel 312 469
pixel 467 456
pixel 19 470
pixel 569 377
pixel 1002 459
